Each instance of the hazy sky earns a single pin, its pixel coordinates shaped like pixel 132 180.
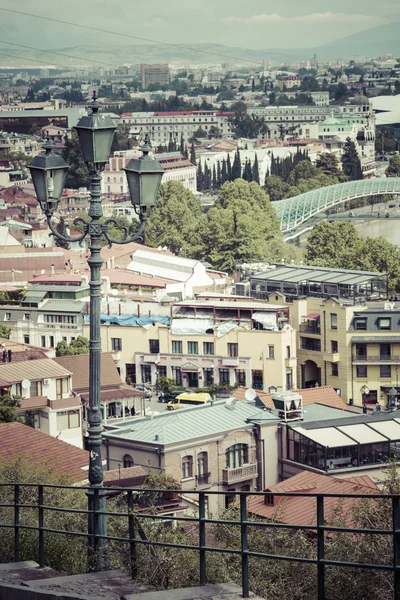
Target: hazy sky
pixel 254 24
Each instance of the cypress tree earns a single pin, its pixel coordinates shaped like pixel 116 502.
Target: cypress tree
pixel 224 172
pixel 62 229
pixel 193 154
pixel 219 175
pixel 200 178
pixel 256 172
pixel 228 168
pixel 236 167
pixel 350 161
pixel 182 145
pixel 207 178
pixel 214 178
pixel 185 152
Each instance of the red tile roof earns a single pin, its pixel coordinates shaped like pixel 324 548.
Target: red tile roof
pixel 325 395
pixel 301 510
pixel 116 276
pixel 79 367
pixel 17 439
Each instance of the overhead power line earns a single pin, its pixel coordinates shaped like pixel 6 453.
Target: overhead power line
pixel 127 35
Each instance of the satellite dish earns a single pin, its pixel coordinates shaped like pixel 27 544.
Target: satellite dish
pixel 26 384
pixel 250 395
pixel 43 271
pixel 114 292
pixel 159 248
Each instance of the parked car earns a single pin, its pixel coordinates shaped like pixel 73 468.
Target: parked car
pixel 169 396
pixel 147 392
pixel 392 206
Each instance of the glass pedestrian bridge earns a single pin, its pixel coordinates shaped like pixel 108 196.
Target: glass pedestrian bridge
pixel 292 212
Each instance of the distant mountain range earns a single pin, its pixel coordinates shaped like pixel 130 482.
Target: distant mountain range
pixel 372 42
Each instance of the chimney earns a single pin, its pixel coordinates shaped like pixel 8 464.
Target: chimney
pixel 9 355
pixel 52 269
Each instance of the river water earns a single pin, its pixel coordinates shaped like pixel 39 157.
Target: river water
pixel 386 228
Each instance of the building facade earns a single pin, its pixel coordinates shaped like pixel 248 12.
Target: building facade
pixel 154 74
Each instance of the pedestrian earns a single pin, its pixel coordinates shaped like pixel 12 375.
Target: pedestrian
pixel 365 409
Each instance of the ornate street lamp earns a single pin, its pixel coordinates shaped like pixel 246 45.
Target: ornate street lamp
pixel 392 396
pixel 96 133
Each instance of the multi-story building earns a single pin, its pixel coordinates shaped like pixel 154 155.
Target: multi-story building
pixel 47 315
pixel 220 446
pixel 13 142
pixel 45 391
pixel 166 126
pixel 176 168
pixel 319 98
pixel 348 336
pixel 230 342
pixel 158 73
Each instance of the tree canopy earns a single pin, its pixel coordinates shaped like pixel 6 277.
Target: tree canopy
pixel 393 169
pixel 77 174
pixel 78 346
pixel 339 245
pixel 351 164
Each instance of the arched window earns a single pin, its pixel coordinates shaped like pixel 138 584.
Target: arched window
pixel 236 456
pixel 128 461
pixel 187 467
pixel 108 180
pixel 115 180
pixel 121 179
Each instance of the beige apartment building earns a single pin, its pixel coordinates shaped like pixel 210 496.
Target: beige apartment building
pixel 221 446
pixel 230 342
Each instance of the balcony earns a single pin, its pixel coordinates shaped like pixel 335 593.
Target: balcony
pixel 231 361
pixel 151 358
pixel 332 357
pixel 312 328
pixel 380 358
pixel 235 475
pixel 203 479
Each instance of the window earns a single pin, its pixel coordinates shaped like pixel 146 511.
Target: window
pixel 287 351
pixel 335 370
pixel 177 375
pixel 334 346
pixel 361 371
pixel 7 317
pixel 51 339
pixel 176 347
pixel 161 371
pixel 18 389
pixel 116 344
pixel 27 316
pixel 384 323
pixel 61 387
pixel 236 456
pixel 224 376
pixel 333 321
pixel 36 388
pixel 257 380
pixel 68 419
pixel 154 346
pixel 385 371
pixel 384 351
pixel 360 324
pixel 193 347
pixel 187 467
pixel 233 350
pixel 202 464
pixel 271 351
pixel 128 461
pixel 240 377
pixel 146 373
pixel 208 347
pixel 43 341
pixel 310 344
pixel 289 379
pixel 208 377
pixel 26 339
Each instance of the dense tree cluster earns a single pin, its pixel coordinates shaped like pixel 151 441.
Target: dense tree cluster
pixel 242 226
pixel 351 163
pixel 78 346
pixel 226 170
pixel 339 245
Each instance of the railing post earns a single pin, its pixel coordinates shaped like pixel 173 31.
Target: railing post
pixel 16 522
pixel 244 545
pixel 202 537
pixel 320 548
pixel 396 545
pixel 132 534
pixel 41 525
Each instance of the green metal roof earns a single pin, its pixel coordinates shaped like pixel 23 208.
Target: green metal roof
pixel 69 306
pixel 300 274
pixel 190 423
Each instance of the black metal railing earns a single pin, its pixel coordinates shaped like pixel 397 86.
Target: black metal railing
pixel 11 513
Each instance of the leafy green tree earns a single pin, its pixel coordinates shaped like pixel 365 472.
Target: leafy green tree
pixel 5 331
pixel 200 133
pixel 303 170
pixel 175 221
pixel 275 187
pixel 340 92
pixel 351 164
pixel 78 346
pixel 393 169
pixel 241 227
pixel 62 229
pixel 8 408
pixel 77 174
pixel 244 125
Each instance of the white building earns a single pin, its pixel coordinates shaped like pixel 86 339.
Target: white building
pixel 189 276
pixel 176 168
pixel 165 126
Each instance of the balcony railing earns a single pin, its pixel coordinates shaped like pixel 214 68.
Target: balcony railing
pixel 308 328
pixel 203 479
pixel 26 509
pixel 236 474
pixel 377 358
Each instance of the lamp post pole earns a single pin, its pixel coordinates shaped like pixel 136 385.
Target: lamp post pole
pixel 48 170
